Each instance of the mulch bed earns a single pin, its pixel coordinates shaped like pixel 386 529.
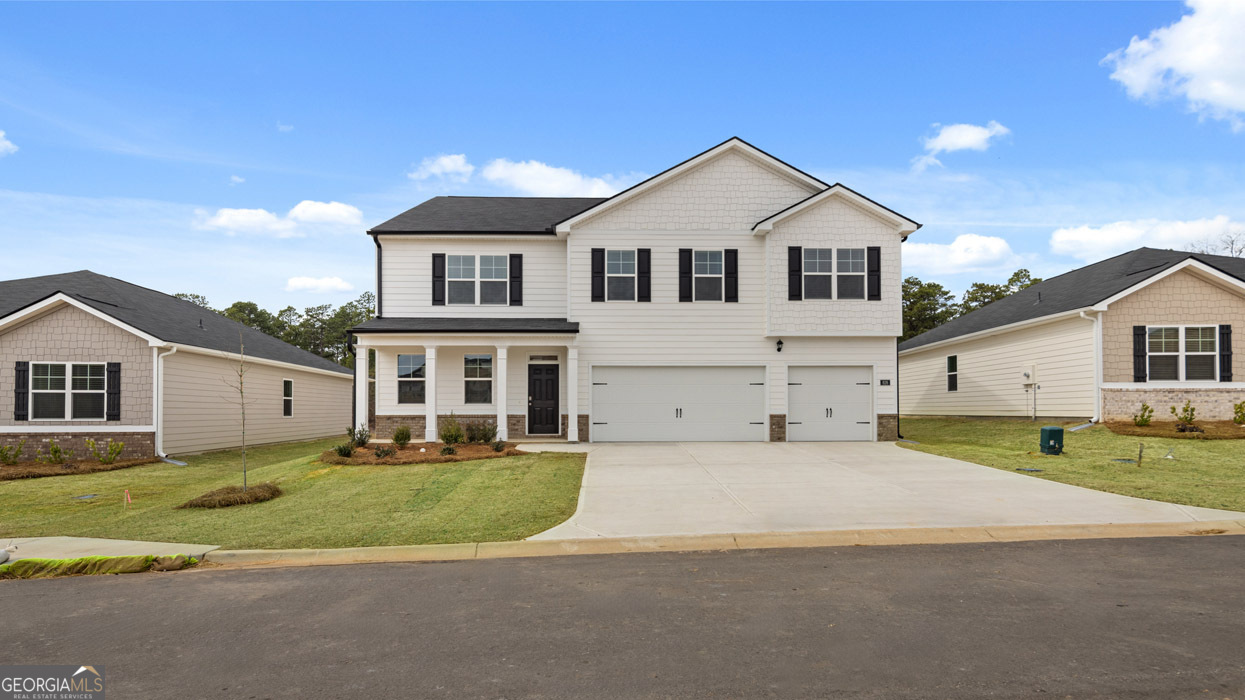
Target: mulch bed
pixel 35 470
pixel 235 496
pixel 411 454
pixel 1212 430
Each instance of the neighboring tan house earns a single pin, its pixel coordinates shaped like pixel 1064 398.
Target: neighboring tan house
pixel 731 297
pixel 1149 325
pixel 88 356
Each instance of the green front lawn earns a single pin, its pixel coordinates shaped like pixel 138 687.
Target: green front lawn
pixel 1206 473
pixel 323 506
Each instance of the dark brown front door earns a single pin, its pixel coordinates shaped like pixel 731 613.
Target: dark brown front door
pixel 542 400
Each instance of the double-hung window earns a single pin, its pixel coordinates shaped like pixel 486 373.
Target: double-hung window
pixel 851 271
pixel 478 376
pixel 953 373
pixel 818 273
pixel 411 376
pixel 620 275
pixel 60 391
pixel 1182 353
pixel 707 275
pixel 287 397
pixel 468 285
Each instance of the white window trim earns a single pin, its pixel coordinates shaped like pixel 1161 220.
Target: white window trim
pixel 956 373
pixel 634 274
pixel 544 358
pixel 478 279
pixel 1181 353
pixel 721 276
pixel 864 292
pixel 284 398
pixel 804 273
pixel 397 368
pixel 67 391
pixel 492 396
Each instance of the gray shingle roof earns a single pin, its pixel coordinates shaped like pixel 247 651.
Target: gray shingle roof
pixel 1073 290
pixel 168 318
pixel 467 325
pixel 487 215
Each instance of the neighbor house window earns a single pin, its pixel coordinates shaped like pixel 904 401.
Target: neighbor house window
pixel 490 286
pixel 478 373
pixel 818 273
pixel 851 269
pixel 620 275
pixel 287 397
pixel 1183 353
pixel 411 376
pixel 60 391
pixel 707 275
pixel 953 373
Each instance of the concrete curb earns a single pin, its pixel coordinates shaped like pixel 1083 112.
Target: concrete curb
pixel 692 543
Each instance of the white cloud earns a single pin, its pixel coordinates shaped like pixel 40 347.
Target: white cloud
pixel 1200 57
pixel 6 146
pixel 1093 243
pixel 957 137
pixel 453 167
pixel 250 221
pixel 285 128
pixel 319 285
pixel 236 180
pixel 969 252
pixel 309 212
pixel 540 179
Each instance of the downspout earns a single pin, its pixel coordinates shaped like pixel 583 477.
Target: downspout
pixel 1097 364
pixel 898 433
pixel 160 402
pixel 380 292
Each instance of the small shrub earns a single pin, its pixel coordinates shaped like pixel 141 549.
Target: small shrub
pixel 109 454
pixel 1186 414
pixel 1238 413
pixel 402 435
pixel 499 446
pixel 55 455
pixel 359 437
pixel 481 432
pixel 451 432
pixel 11 454
pixel 346 450
pixel 449 449
pixel 1142 419
pixel 234 496
pixel 383 451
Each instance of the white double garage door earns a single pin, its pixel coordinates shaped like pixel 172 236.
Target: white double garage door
pixel 721 404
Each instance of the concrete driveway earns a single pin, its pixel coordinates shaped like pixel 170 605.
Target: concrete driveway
pixel 647 489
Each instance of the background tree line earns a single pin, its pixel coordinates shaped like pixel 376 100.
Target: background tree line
pixel 927 305
pixel 317 329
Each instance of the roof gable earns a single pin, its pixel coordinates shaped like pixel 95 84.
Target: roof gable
pixel 903 225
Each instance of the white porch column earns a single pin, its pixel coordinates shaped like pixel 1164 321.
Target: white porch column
pixel 572 394
pixel 430 393
pixel 499 384
pixel 361 386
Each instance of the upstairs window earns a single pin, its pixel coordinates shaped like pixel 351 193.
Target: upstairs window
pixel 707 275
pixel 489 283
pixel 478 376
pixel 287 397
pixel 851 269
pixel 1183 353
pixel 411 376
pixel 620 275
pixel 953 373
pixel 818 273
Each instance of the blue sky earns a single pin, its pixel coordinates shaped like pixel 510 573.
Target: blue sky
pixel 241 150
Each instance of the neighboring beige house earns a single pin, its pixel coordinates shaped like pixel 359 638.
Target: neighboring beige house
pixel 1153 326
pixel 88 356
pixel 731 297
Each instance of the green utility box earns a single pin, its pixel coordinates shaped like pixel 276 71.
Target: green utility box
pixel 1052 440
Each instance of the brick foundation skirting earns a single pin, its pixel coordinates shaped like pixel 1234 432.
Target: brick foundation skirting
pixel 385 425
pixel 516 424
pixel 777 427
pixel 888 427
pixel 1211 403
pixel 137 445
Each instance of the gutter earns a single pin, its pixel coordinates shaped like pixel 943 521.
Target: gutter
pixel 159 417
pixel 1097 320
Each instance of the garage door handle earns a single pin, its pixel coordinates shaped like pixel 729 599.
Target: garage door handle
pixel 863 384
pixel 829 412
pixel 794 422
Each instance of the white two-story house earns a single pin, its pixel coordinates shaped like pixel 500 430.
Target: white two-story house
pixel 730 298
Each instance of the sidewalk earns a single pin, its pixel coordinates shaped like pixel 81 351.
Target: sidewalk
pixel 74 547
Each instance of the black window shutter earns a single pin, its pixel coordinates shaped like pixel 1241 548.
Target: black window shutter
pixel 1139 353
pixel 21 391
pixel 598 274
pixel 438 279
pixel 795 271
pixel 873 269
pixel 112 391
pixel 643 274
pixel 731 278
pixel 685 274
pixel 516 279
pixel 1225 353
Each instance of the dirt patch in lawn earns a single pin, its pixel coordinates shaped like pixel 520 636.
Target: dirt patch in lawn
pixel 411 454
pixel 234 496
pixel 35 470
pixel 1212 430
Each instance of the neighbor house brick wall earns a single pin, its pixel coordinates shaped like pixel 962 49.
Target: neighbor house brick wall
pixel 137 445
pixel 69 334
pixel 1211 404
pixel 1178 299
pixel 888 428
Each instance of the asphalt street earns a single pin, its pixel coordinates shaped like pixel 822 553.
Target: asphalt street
pixel 1143 618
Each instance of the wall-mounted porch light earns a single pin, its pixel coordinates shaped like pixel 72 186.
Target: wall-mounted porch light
pixel 779 346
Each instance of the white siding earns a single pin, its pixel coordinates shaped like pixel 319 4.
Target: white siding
pixel 406 269
pixel 991 374
pixel 449 378
pixel 201 411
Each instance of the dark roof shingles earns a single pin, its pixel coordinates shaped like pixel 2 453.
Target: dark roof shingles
pixel 487 215
pixel 466 325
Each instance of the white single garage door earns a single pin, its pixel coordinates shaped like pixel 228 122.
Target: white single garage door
pixel 829 403
pixel 688 404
